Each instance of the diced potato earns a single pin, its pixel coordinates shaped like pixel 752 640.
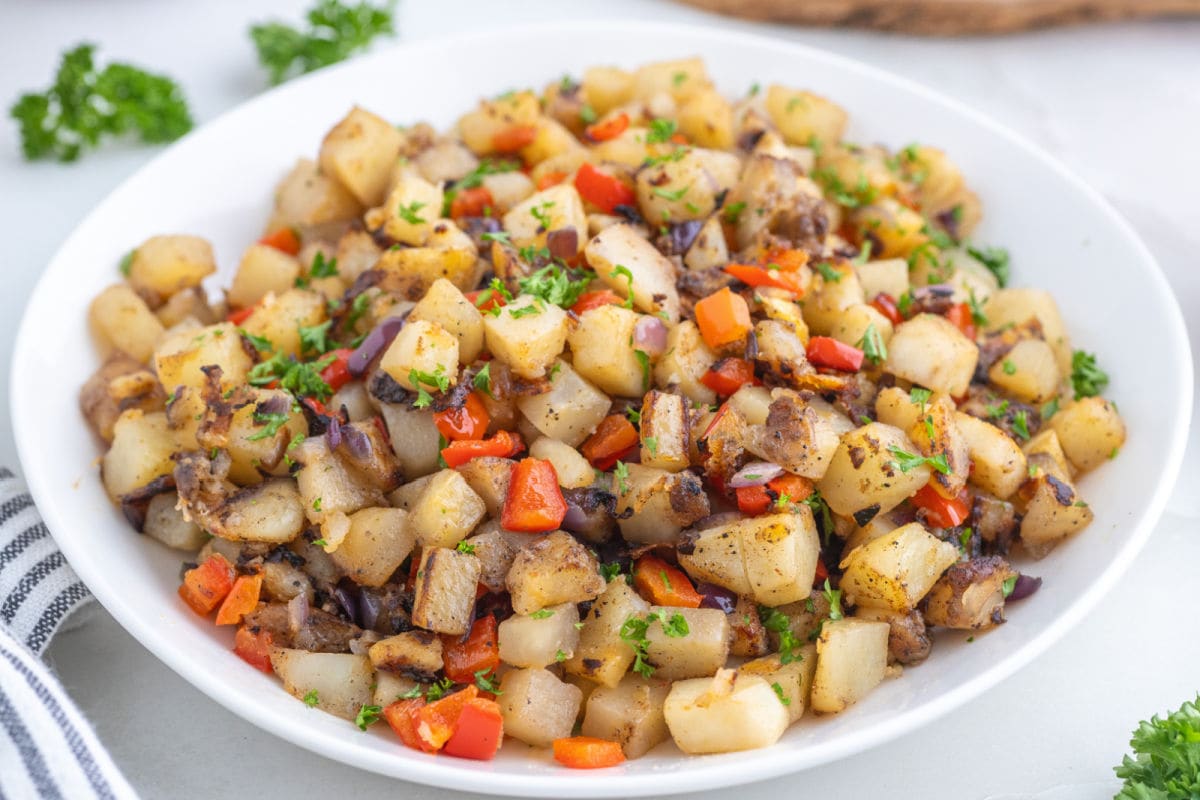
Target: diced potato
pixel 340 682
pixel 410 271
pixel 496 548
pixel 699 652
pixel 263 269
pixel 851 661
pixel 754 403
pixel 377 544
pixel 1017 306
pixel 271 512
pixel 389 688
pixel 970 596
pixel 665 434
pixel 278 318
pixel 824 306
pixel 865 471
pixel 794 678
pixel 412 209
pixel 360 151
pixel 684 363
pixel 707 120
pixel 851 328
pixel 416 653
pixel 527 341
pixel 546 637
pixel 573 470
pixel 1053 512
pixel 1090 431
pixel 653 275
pixel 630 713
pixel 709 249
pixel 603 351
pixel 446 512
pixel 778 194
pixel 167 524
pixel 140 452
pixel 999 464
pixel 899 231
pixel 681 79
pixel 560 206
pixel 424 347
pixel 414 438
pixel 730 712
pixel 120 384
pixel 932 352
pixel 888 276
pixel 601 654
pixel 897 569
pixel 1028 371
pixel 448 308
pixel 653 505
pixel 164 265
pixel 936 434
pixel 508 189
pixel 537 707
pixel 308 198
pixel 772 558
pixel 607 87
pixel 552 570
pixel 478 128
pixel 803 117
pixel 895 407
pixel 124 322
pixel 445 590
pixel 488 478
pixel 780 348
pixel 327 486
pixel 686 188
pixel 1046 443
pixel 570 411
pixel 251 451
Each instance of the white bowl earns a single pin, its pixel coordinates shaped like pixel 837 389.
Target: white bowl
pixel 217 183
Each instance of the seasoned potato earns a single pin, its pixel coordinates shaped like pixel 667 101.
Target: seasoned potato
pixel 377 544
pixel 1090 431
pixel 932 352
pixel 970 596
pixel 570 411
pixel 167 524
pixel 709 249
pixel 824 306
pixel 417 654
pixel 856 320
pixel 389 688
pixel 1016 306
pixel 124 322
pixel 771 558
pixel 165 265
pixel 414 438
pixel 999 464
pixel 445 306
pixel 410 271
pixel 555 209
pixel 340 682
pixel 446 511
pixel 602 655
pixel 729 712
pixel 681 79
pixel 897 569
pixel 665 434
pixel 573 470
pixel 603 351
pixel 1052 513
pixel 653 505
pixel 537 707
pixel 479 128
pixel 424 348
pixel 851 661
pixel 1046 443
pixel 868 471
pixel 488 478
pixel 445 590
pixel 552 570
pixel 527 335
pixel 630 713
pixel 411 210
pixel 607 87
pixel 141 451
pixel 803 117
pixel 647 272
pixel 686 188
pixel 936 434
pixel 120 384
pixel 546 637
pixel 263 269
pixel 888 276
pixel 359 152
pixel 706 118
pixel 307 198
pixel 278 318
pixel 684 363
pixel 1028 371
pixel 794 678
pixel 686 642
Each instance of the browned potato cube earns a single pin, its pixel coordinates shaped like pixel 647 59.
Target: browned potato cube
pixel 445 590
pixel 553 569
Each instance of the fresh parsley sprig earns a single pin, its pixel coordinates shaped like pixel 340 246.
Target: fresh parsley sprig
pixel 335 31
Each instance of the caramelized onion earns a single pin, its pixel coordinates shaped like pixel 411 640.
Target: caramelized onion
pixel 756 473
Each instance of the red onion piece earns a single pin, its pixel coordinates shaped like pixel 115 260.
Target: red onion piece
pixel 333 434
pixel 563 243
pixel 297 609
pixel 683 234
pixel 650 336
pixel 756 473
pixel 358 444
pixel 376 342
pixel 575 519
pixel 1025 586
pixel 717 597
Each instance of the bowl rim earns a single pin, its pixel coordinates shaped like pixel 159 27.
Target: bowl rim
pixel 611 783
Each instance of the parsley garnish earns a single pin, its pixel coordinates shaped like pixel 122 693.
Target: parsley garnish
pixel 367 715
pixel 409 213
pixel 273 423
pixel 834 596
pixel 621 270
pixel 621 473
pixel 358 307
pixel 661 130
pixel 556 285
pixel 260 343
pixel 542 613
pixel 315 338
pixel 864 254
pixel 84 105
pixel 644 360
pixel 126 264
pixel 1087 378
pixel 437 378
pixel 919 396
pixel 1009 584
pixel 1050 409
pixel 861 194
pixel 323 267
pixel 977 315
pixel 311 699
pixel 300 378
pixel 610 571
pixel 907 462
pixel 1008 367
pixel 486 683
pixel 411 694
pixel 497 236
pixel 542 213
pixel 633 633
pixel 1020 424
pixel 633 415
pixel 676 626
pixel 733 212
pixel 438 690
pixel 787 701
pixel 995 259
pixel 465 547
pixel 789 646
pixel 871 343
pixel 672 195
pixel 827 271
pixel 335 32
pixel 651 443
pixel 587 114
pixel 483 380
pixel 526 311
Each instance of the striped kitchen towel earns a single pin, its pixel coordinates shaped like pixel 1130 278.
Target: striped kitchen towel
pixel 47 748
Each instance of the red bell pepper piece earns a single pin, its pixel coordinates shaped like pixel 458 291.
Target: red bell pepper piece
pixel 534 502
pixel 603 190
pixel 753 275
pixel 663 584
pixel 486 299
pixel 728 375
pixel 204 587
pixel 885 304
pixel 471 202
pixel 436 721
pixel 241 600
pixel 614 439
pixel 755 500
pixel 587 752
pixel 401 716
pixel 824 351
pixel 941 512
pixel 254 647
pixel 337 374
pixel 469 422
pixel 549 179
pixel 284 239
pixel 596 299
pixel 478 732
pixel 513 138
pixel 723 318
pixel 480 651
pixel 822 573
pixel 607 129
pixel 504 444
pixel 960 315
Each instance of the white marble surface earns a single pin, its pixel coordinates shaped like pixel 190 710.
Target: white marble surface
pixel 1119 104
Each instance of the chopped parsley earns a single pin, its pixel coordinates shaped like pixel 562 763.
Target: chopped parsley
pixel 542 213
pixel 542 613
pixel 783 698
pixel 733 212
pixel 789 646
pixel 651 443
pixel 1020 424
pixel 311 698
pixel 919 396
pixel 273 423
pixel 557 285
pixel 483 380
pixel 621 473
pixel 409 213
pixel 861 194
pixel 872 346
pixel 260 343
pixel 834 596
pixel 560 656
pixel 864 254
pixel 995 259
pixel 827 271
pixel 438 689
pixel 335 31
pixel 315 338
pixel 1009 584
pixel 126 264
pixel 1049 409
pixel 465 547
pixel 661 130
pixel 676 626
pixel 907 462
pixel 1086 377
pixel 610 571
pixel 633 633
pixel 504 237
pixel 302 379
pixel 674 195
pixel 487 683
pixel 323 267
pixel 367 715
pixel 620 270
pixel 977 315
pixel 643 359
pixel 587 114
pixel 1008 367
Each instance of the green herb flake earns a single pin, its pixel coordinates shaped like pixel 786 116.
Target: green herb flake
pixel 1009 584
pixel 623 271
pixel 996 261
pixel 834 596
pixel 311 699
pixel 1087 378
pixel 827 271
pixel 485 680
pixel 621 473
pixel 335 32
pixel 542 613
pixel 661 131
pixel 783 698
pixel 367 715
pixel 871 343
pixel 483 380
pixel 906 462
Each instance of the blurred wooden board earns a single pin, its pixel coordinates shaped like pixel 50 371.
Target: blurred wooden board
pixel 947 17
